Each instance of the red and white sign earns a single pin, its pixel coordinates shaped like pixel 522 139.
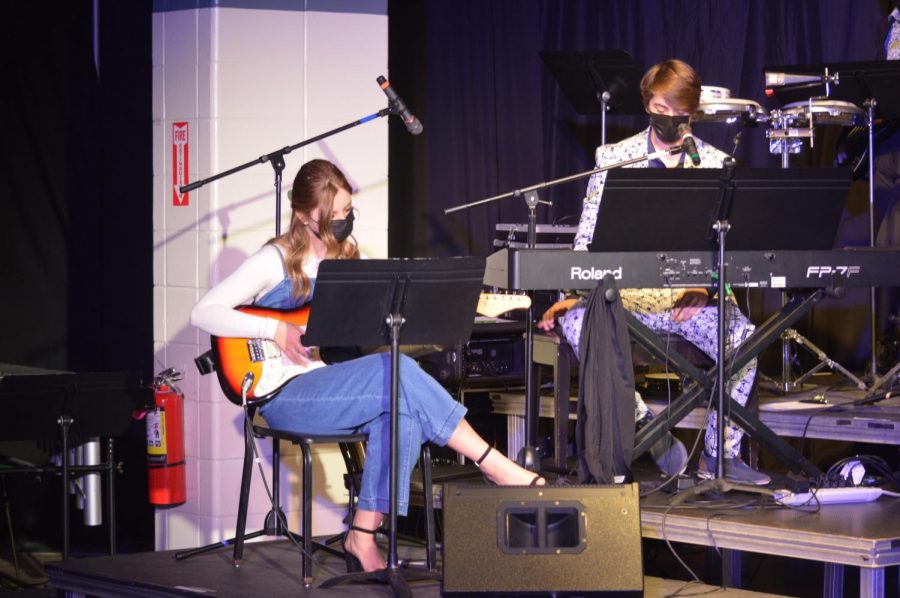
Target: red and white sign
pixel 179 163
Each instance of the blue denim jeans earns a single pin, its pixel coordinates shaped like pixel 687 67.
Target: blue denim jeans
pixel 354 396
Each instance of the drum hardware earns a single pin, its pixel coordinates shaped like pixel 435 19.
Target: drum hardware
pixel 711 93
pixel 729 111
pixel 825 112
pixel 873 342
pixel 786 140
pixel 796 122
pixel 783 139
pixel 824 361
pixel 793 123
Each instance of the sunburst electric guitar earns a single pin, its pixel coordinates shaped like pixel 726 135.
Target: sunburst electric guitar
pixel 271 369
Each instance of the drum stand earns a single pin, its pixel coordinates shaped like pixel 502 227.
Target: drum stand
pixel 873 344
pixel 785 140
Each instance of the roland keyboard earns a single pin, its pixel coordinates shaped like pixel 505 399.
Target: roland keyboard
pixel 548 269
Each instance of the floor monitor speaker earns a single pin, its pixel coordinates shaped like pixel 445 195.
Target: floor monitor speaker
pixel 564 540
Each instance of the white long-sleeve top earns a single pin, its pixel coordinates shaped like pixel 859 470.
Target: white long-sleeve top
pixel 257 275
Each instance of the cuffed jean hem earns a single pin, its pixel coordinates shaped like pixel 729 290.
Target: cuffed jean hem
pixel 443 434
pixel 382 506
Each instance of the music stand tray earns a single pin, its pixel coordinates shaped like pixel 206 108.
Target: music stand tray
pixel 437 297
pixel 377 302
pixel 64 406
pixel 673 209
pixel 584 76
pixel 98 404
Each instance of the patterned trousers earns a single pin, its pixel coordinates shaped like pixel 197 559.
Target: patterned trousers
pixel 701 331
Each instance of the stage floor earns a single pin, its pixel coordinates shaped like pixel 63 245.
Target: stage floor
pixel 271 569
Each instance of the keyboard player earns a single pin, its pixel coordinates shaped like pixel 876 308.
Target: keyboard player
pixel 671 94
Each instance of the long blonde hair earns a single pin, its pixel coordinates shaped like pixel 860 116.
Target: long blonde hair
pixel 315 186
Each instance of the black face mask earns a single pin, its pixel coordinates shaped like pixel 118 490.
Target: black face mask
pixel 666 127
pixel 341 229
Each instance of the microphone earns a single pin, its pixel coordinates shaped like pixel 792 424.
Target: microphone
pixel 397 106
pixel 688 145
pixel 791 80
pixel 780 79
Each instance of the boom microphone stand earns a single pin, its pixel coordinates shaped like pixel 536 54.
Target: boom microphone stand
pixel 528 455
pixel 276 159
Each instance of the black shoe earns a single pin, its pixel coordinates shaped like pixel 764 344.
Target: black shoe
pixel 534 481
pixel 353 564
pixel 669 453
pixel 735 470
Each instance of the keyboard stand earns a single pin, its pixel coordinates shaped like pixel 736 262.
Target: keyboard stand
pixel 795 308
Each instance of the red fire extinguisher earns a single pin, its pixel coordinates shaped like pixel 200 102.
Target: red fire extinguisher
pixel 165 442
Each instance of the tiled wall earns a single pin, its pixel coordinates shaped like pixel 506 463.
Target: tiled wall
pixel 250 78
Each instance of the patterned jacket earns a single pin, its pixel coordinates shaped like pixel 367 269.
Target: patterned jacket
pixel 644 300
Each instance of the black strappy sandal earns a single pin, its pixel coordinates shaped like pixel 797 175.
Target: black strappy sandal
pixel 353 563
pixel 480 460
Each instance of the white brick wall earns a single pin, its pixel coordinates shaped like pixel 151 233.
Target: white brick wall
pixel 249 81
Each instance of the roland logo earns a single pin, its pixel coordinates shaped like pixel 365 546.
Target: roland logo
pixel 822 271
pixel 578 273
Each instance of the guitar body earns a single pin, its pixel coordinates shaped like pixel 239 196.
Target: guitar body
pixel 235 357
pixel 271 370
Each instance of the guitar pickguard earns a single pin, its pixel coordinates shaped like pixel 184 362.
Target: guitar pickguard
pixel 277 368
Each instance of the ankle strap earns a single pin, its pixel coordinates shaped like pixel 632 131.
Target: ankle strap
pixel 484 455
pixel 364 530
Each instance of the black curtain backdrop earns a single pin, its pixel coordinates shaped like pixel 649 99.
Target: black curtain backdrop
pixel 76 187
pixel 496 120
pixel 76 226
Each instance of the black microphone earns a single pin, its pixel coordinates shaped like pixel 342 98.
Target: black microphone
pixel 397 106
pixel 688 145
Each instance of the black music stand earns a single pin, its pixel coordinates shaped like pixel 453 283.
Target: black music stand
pixel 378 302
pixel 660 210
pixel 672 209
pixel 597 81
pixel 43 405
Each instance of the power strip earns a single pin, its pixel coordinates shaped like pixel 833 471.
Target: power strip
pixel 828 496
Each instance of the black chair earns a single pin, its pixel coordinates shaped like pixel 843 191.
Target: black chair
pixel 275 523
